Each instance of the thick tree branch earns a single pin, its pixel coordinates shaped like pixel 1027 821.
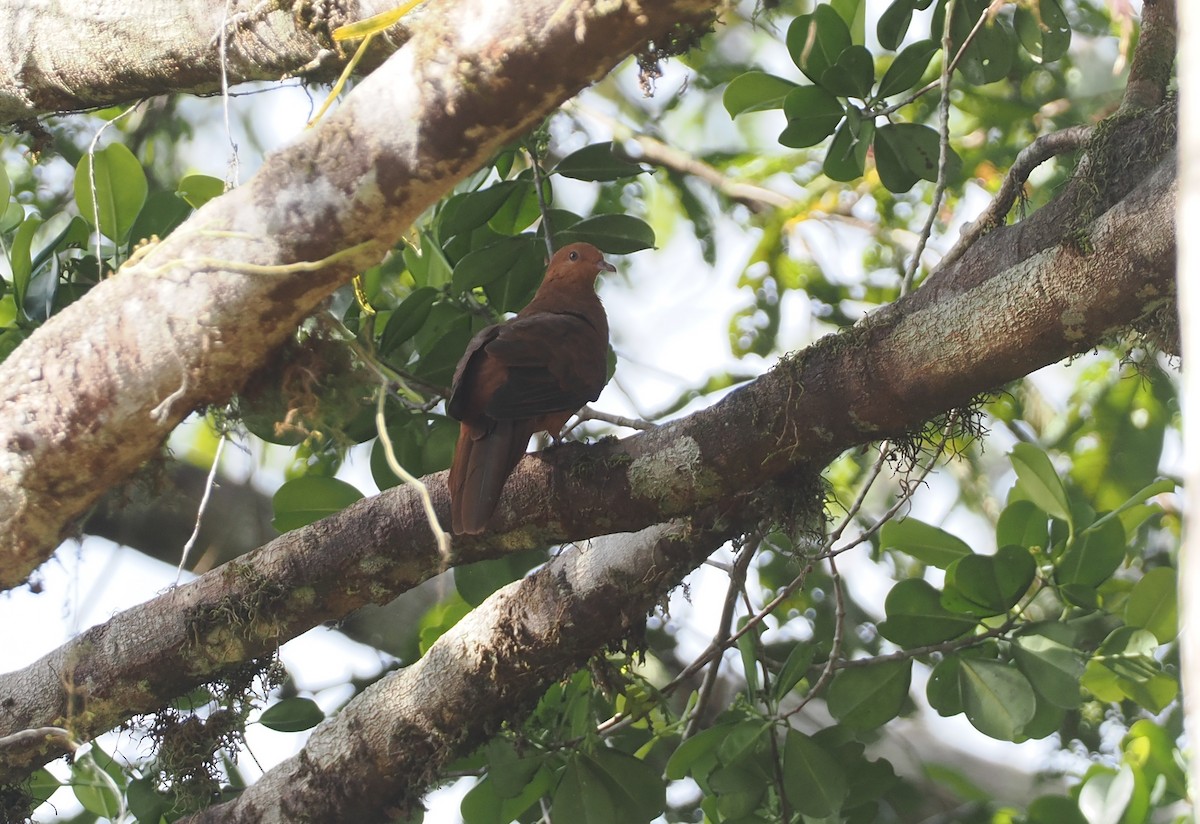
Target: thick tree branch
pixel 1154 60
pixel 86 55
pixel 92 393
pixel 489 669
pixel 895 370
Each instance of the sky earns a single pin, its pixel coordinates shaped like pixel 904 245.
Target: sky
pixel 669 314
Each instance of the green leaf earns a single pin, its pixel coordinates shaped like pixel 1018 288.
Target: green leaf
pixel 815 41
pixel 755 91
pixel 163 212
pixel 813 781
pixel 1022 523
pixel 636 788
pixel 120 187
pixel 197 190
pixel 509 771
pixel 597 162
pixel 852 75
pixel 476 581
pixel 908 152
pixel 983 585
pixel 441 341
pixel 470 210
pixel 813 114
pixel 1045 33
pixel 1046 653
pixel 854 13
pixel 794 669
pixel 847 155
pixel 292 715
pixel 893 24
pixel 1054 809
pixel 1153 604
pixel 927 543
pixel 12 217
pixel 990 55
pixel 614 234
pixel 748 648
pixel 423 443
pixel 997 699
pixel 41 785
pixel 1153 748
pixel 698 755
pixel 1047 720
pixel 520 209
pixel 430 267
pixel 741 741
pixel 482 803
pixel 406 319
pixel 908 68
pixel 5 189
pixel 21 259
pixel 440 619
pixel 482 266
pixel 301 501
pixel 95 788
pixel 1133 508
pixel 916 617
pixel 520 281
pixel 1038 481
pixel 1106 794
pixel 1125 667
pixel 583 795
pixel 942 690
pixel 863 698
pixel 739 791
pixel 1093 556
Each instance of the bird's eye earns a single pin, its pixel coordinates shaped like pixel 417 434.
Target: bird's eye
pixel 573 256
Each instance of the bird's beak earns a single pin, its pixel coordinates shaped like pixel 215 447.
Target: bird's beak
pixel 605 266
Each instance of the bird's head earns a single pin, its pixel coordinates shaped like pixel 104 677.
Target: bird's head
pixel 577 263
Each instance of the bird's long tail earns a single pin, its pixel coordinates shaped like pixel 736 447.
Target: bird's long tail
pixel 482 463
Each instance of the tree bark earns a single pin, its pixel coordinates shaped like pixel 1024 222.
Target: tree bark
pixel 895 370
pixel 380 753
pixel 93 393
pixel 72 57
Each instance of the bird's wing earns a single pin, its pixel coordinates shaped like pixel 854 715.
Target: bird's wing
pixel 555 362
pixel 462 387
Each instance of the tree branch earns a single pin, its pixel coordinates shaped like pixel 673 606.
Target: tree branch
pixel 92 394
pixel 896 369
pixel 103 52
pixel 473 679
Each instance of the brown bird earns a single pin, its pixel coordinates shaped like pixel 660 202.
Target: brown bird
pixel 525 376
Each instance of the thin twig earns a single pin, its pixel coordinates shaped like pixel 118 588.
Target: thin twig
pixel 939 188
pixel 587 413
pixel 737 582
pixel 654 151
pixel 231 181
pixel 827 551
pixel 539 183
pixel 439 534
pixel 1029 158
pixel 835 651
pixel 958 56
pixel 209 483
pixel 928 649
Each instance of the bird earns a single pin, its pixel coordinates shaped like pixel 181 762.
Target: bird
pixel 527 375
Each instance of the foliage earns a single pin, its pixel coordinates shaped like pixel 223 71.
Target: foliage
pixel 1063 629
